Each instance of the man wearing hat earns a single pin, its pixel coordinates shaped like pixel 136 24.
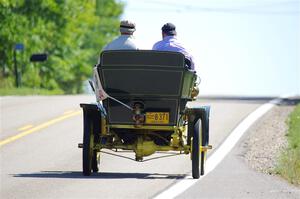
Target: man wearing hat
pixel 125 41
pixel 170 43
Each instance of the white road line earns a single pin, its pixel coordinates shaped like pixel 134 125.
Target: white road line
pixel 220 153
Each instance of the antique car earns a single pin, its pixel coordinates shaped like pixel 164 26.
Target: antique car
pixel 146 111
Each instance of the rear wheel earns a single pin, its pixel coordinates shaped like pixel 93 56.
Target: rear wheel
pixel 204 136
pixel 203 160
pixel 196 150
pixel 95 160
pixel 89 156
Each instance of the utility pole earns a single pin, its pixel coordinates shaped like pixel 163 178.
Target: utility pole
pixel 16 69
pixel 17 74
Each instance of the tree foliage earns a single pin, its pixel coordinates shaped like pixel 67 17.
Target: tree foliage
pixel 71 32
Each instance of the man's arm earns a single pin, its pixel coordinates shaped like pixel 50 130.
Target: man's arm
pixel 192 62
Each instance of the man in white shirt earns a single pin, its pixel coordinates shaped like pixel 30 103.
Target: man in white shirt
pixel 125 41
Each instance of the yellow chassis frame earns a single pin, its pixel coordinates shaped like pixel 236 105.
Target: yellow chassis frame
pixel 144 147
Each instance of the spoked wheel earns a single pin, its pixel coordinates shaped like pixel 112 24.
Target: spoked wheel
pixel 196 150
pixel 89 157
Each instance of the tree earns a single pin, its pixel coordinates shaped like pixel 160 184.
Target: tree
pixel 72 33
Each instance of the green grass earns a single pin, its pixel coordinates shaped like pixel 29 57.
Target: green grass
pixel 289 163
pixel 28 91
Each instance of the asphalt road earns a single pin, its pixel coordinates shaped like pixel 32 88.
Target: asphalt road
pixel 44 161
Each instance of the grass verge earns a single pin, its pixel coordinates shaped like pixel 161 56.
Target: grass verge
pixel 289 162
pixel 28 91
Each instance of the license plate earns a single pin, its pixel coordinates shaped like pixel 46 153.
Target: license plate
pixel 157 118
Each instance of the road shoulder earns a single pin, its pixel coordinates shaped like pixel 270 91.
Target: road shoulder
pixel 265 141
pixel 236 178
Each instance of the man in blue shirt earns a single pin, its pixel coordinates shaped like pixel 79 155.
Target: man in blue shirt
pixel 170 43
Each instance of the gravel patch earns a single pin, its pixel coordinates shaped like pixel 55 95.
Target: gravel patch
pixel 267 139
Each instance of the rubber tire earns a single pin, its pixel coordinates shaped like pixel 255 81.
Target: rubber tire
pixel 95 168
pixel 205 138
pixel 203 160
pixel 205 127
pixel 196 150
pixel 88 154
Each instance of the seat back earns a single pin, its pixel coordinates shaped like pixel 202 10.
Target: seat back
pixel 152 78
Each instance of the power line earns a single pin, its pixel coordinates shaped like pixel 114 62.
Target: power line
pixel 264 8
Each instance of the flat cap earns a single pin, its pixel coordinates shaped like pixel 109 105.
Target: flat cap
pixel 127 27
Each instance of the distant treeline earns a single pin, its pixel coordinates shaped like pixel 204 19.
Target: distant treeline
pixel 71 32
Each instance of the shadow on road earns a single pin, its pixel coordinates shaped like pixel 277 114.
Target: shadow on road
pixel 102 175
